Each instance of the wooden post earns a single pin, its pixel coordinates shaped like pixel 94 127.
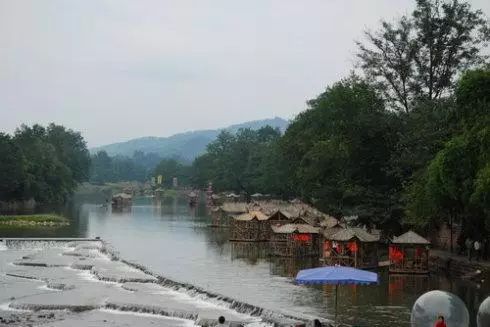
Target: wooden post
pixel 336 296
pixel 355 256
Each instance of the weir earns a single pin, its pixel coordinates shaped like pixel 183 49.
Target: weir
pixel 53 274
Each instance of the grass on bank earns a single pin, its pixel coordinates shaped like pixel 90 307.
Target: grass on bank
pixel 40 219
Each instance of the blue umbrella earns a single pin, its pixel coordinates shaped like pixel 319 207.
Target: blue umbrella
pixel 337 275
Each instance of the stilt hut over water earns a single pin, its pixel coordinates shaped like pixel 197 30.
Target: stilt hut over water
pixel 122 200
pixel 250 227
pixel 295 240
pixel 409 254
pixel 223 214
pixel 278 218
pixel 351 247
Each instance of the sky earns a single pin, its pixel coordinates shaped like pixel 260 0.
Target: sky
pixel 119 69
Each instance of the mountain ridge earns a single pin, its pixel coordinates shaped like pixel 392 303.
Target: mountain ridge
pixel 186 145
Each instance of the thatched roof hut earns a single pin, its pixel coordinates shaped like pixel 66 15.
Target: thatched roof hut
pixel 409 254
pixel 352 247
pixel 234 208
pixel 410 237
pixel 295 240
pixel 122 200
pixel 251 226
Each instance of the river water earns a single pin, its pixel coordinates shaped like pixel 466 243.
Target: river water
pixel 174 240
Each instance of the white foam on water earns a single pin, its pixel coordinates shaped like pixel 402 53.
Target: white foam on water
pixel 6 307
pixel 258 324
pixel 88 276
pixel 188 323
pixel 46 288
pixel 203 301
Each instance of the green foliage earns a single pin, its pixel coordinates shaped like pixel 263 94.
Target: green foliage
pixel 41 218
pixel 106 169
pixel 44 164
pixel 338 150
pixel 239 161
pixel 455 184
pixel 418 57
pixel 12 169
pixel 170 168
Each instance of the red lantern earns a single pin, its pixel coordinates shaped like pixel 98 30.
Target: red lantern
pixel 353 246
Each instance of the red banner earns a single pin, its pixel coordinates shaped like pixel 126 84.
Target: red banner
pixel 302 237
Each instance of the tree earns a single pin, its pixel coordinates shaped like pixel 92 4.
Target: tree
pixel 418 57
pixel 12 169
pixel 454 187
pixel 48 179
pixel 235 161
pixel 338 151
pixel 71 149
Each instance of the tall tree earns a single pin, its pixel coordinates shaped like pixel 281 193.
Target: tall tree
pixel 338 151
pixel 420 56
pixel 12 169
pixel 71 149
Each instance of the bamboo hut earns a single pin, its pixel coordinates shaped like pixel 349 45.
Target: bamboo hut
pixel 351 247
pixel 250 227
pixel 122 200
pixel 222 215
pixel 278 218
pixel 295 240
pixel 409 254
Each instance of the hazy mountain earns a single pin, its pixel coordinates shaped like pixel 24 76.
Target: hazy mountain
pixel 185 146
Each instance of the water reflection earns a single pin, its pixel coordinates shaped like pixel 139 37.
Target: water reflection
pixel 171 238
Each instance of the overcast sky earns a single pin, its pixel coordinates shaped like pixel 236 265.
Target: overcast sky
pixel 117 69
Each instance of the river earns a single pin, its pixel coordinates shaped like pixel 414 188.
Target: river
pixel 174 240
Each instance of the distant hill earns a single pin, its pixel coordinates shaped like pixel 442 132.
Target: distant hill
pixel 184 146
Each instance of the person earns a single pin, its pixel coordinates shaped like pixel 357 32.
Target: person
pixel 221 321
pixel 317 323
pixel 477 247
pixel 440 322
pixel 468 244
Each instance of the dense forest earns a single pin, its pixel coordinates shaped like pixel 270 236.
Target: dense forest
pixel 119 168
pixel 404 139
pixel 42 163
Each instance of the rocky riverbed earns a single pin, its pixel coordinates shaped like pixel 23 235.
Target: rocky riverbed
pixel 73 283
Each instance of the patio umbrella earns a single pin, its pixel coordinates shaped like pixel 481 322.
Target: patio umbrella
pixel 337 275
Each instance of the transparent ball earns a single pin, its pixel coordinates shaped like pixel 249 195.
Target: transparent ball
pixel 483 317
pixel 433 304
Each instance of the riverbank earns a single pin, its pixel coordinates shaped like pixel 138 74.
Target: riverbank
pixel 45 220
pixel 459 266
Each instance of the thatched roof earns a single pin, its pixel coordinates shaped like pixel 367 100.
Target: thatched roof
pixel 329 222
pixel 234 207
pixel 351 233
pixel 122 196
pixel 232 195
pixel 410 237
pixel 295 228
pixel 251 216
pixel 331 231
pixel 279 213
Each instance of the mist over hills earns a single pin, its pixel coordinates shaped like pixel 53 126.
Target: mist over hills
pixel 184 146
